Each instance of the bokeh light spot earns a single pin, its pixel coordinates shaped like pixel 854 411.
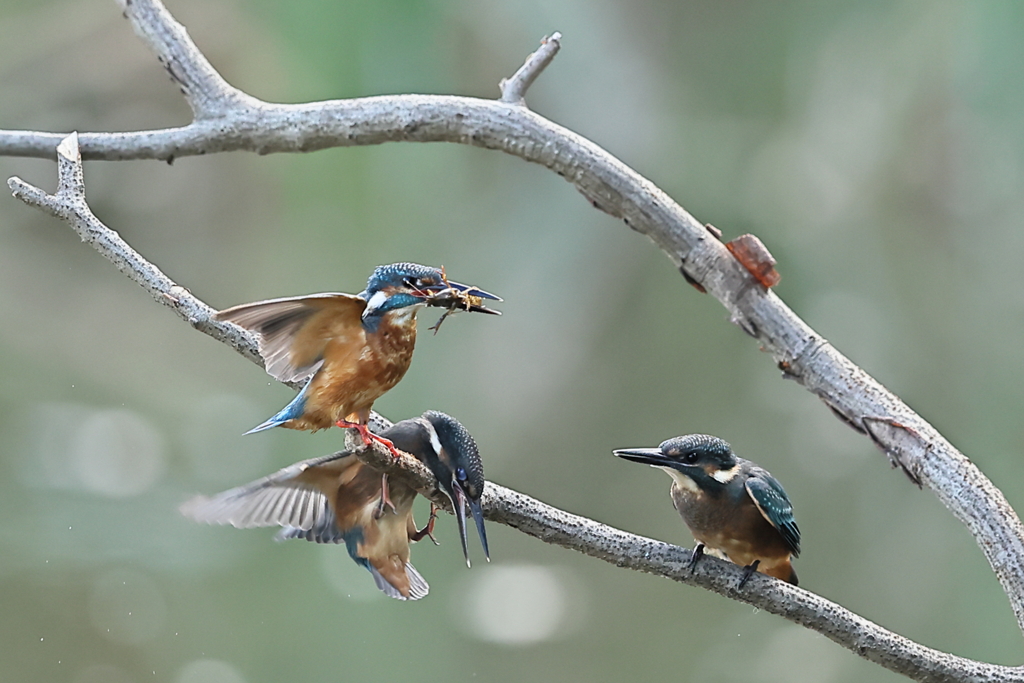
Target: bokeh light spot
pixel 519 604
pixel 209 671
pixel 117 453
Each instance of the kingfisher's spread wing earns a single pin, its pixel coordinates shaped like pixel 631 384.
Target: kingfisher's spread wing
pixel 293 497
pixel 324 531
pixel 332 499
pixel 772 502
pixel 295 331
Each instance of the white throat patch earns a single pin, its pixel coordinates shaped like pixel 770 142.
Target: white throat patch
pixel 725 476
pixel 434 442
pixel 681 480
pixel 376 301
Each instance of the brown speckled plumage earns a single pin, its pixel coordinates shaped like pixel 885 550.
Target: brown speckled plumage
pixel 357 370
pixel 750 536
pixel 352 348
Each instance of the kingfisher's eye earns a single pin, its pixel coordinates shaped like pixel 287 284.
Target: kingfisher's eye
pixel 690 457
pixel 460 474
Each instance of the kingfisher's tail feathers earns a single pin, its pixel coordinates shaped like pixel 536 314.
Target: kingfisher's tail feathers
pixel 268 424
pixel 418 587
pixel 295 408
pixel 786 573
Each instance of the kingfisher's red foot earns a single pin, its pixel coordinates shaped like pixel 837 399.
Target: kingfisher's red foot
pixel 428 530
pixel 369 437
pixel 385 499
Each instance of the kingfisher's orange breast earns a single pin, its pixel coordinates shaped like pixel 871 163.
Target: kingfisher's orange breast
pixel 357 371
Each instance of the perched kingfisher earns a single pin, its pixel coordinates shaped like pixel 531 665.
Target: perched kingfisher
pixel 337 499
pixel 731 505
pixel 353 348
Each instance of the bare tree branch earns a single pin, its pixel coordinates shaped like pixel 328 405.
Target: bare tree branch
pixel 227 119
pixel 513 89
pixel 69 204
pixel 209 95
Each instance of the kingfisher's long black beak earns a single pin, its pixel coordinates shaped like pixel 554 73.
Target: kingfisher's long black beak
pixel 478 517
pixel 648 456
pixel 474 308
pixel 460 502
pixel 473 291
pixel 460 300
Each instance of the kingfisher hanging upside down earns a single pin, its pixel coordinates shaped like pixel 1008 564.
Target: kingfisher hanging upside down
pixel 731 505
pixel 337 499
pixel 448 450
pixel 353 348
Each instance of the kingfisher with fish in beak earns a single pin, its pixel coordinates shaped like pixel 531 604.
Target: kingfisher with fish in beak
pixel 352 347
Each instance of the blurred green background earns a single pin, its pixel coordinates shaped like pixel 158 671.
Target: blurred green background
pixel 876 148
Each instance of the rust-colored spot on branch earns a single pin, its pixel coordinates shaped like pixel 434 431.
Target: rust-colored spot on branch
pixel 756 258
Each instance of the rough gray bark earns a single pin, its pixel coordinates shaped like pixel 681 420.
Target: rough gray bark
pixel 227 119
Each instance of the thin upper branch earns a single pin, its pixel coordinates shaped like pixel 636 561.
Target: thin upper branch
pixel 209 95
